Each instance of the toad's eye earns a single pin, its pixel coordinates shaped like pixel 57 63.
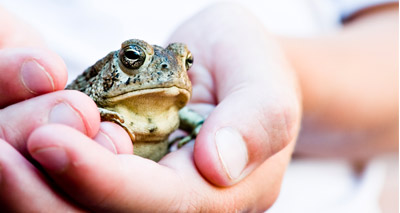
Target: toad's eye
pixel 132 57
pixel 189 61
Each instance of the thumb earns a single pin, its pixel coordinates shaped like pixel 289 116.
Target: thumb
pixel 241 133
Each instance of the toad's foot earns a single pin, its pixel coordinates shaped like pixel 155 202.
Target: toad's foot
pixel 108 115
pixel 184 140
pixel 191 122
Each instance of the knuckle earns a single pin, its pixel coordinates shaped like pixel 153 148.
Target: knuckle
pixel 291 117
pixel 281 123
pixel 12 136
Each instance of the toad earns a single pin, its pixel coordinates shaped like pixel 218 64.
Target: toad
pixel 142 88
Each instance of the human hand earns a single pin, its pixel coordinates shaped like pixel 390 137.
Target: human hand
pixel 255 123
pixel 30 72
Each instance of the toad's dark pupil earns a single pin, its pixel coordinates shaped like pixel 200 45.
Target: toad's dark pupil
pixel 132 54
pixel 189 62
pixel 132 57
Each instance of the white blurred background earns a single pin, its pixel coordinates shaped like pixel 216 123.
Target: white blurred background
pixel 82 31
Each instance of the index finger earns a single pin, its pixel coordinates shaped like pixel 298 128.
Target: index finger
pixel 28 72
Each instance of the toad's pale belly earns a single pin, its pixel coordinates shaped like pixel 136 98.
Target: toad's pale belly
pixel 151 115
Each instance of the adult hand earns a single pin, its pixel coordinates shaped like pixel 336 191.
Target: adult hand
pixel 30 76
pixel 243 147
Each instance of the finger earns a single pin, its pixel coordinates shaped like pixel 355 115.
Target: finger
pixel 107 182
pixel 67 107
pixel 28 72
pixel 114 138
pixel 258 109
pixel 256 193
pixel 96 177
pixel 23 188
pixel 227 150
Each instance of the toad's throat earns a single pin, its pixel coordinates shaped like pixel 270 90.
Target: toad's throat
pixel 150 114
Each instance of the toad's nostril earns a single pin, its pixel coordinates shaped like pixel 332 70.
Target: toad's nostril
pixel 164 65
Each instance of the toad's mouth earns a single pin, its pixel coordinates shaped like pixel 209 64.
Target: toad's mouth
pixel 179 96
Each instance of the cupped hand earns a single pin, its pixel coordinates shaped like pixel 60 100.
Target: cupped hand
pixel 25 181
pixel 241 152
pixel 30 77
pixel 239 68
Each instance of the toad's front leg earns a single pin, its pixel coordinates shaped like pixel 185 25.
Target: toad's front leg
pixel 191 122
pixel 108 115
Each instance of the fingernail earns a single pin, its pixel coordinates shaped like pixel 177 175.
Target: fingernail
pixel 232 151
pixel 105 140
pixel 54 159
pixel 35 78
pixel 63 113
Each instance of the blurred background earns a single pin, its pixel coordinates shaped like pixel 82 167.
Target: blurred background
pixel 83 31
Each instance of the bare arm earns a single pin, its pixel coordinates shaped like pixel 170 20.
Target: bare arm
pixel 349 81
